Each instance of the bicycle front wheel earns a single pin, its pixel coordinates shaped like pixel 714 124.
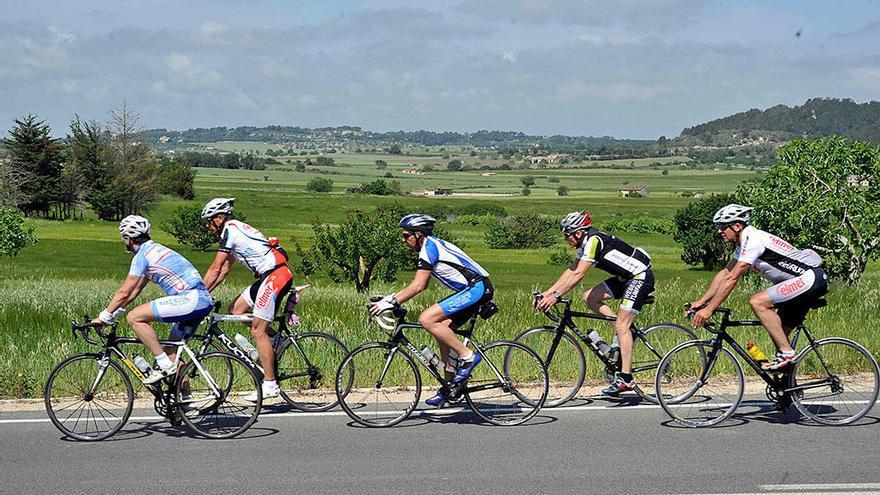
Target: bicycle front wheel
pixel 834 382
pixel 212 399
pixel 307 370
pixel 512 393
pixel 649 348
pixel 562 356
pixel 699 386
pixel 378 385
pixel 85 402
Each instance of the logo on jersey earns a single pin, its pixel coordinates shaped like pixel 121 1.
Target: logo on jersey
pixel 779 242
pixel 787 265
pixel 792 288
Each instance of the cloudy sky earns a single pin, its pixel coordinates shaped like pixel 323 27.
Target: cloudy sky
pixel 625 68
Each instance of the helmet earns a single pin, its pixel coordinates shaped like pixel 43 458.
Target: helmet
pixel 418 222
pixel 218 206
pixel 575 221
pixel 134 226
pixel 733 213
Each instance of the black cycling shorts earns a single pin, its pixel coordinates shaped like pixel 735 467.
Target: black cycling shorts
pixel 633 291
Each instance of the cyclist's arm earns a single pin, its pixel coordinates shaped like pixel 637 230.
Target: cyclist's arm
pixel 218 270
pixel 571 277
pixel 129 291
pixel 419 284
pixel 716 282
pixel 727 283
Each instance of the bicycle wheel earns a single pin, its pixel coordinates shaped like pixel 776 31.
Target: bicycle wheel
pixel 565 362
pixel 648 349
pixel 698 387
pixel 85 403
pixel 835 381
pixel 378 385
pixel 307 370
pixel 512 393
pixel 215 390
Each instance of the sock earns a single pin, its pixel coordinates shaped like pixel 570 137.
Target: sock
pixel 270 383
pixel 468 358
pixel 164 361
pixel 627 377
pixel 787 353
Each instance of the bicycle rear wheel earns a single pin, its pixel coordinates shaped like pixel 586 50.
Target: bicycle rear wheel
pixel 309 386
pixel 834 382
pixel 215 390
pixel 565 363
pixel 512 393
pixel 656 341
pixel 378 385
pixel 697 386
pixel 86 404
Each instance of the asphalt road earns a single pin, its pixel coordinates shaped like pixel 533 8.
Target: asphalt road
pixel 593 446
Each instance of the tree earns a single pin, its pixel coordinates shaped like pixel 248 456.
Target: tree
pixel 824 194
pixel 319 184
pixel 394 149
pixel 325 161
pixel 527 181
pixel 14 234
pixel 521 232
pixel 454 165
pixel 381 164
pixel 562 191
pixel 187 226
pixel 526 191
pixel 176 178
pixel 697 234
pixel 37 155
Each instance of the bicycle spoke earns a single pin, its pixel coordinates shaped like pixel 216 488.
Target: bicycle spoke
pixel 372 405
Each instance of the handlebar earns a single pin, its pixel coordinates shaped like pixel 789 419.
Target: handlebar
pixel 553 311
pixel 87 325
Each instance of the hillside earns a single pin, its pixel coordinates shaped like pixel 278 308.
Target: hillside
pixel 815 118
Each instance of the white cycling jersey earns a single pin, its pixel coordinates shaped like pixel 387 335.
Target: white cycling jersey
pixel 774 258
pixel 249 246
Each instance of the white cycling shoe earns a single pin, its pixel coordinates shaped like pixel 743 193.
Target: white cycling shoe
pixel 269 392
pixel 159 373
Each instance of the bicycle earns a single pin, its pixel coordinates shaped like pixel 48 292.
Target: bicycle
pixel 564 356
pixel 379 385
pixel 833 381
pixel 89 396
pixel 305 363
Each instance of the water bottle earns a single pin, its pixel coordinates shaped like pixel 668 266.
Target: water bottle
pixel 142 365
pixel 247 347
pixel 598 343
pixel 432 358
pixel 614 351
pixel 757 354
pixel 452 362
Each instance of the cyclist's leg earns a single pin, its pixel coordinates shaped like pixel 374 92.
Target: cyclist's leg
pixel 792 299
pixel 595 298
pixel 140 320
pixel 635 292
pixel 439 325
pixel 269 294
pixel 764 308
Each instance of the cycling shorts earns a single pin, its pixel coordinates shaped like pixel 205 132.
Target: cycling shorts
pixel 185 310
pixel 266 294
pixel 463 305
pixel 793 297
pixel 633 291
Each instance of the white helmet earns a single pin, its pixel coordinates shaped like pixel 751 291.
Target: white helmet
pixel 218 206
pixel 733 213
pixel 575 221
pixel 134 226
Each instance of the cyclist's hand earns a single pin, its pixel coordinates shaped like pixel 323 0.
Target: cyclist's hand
pixel 701 316
pixel 98 322
pixel 386 303
pixel 690 307
pixel 547 300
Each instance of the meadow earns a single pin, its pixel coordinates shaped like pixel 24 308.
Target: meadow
pixel 76 266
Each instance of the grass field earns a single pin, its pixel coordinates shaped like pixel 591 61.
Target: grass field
pixel 77 266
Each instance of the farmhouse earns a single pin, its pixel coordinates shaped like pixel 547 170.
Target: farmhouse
pixel 626 189
pixel 551 158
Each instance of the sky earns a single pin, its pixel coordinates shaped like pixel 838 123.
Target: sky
pixel 623 68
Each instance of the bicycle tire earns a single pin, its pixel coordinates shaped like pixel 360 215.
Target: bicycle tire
pixel 522 389
pixel 314 391
pixel 566 362
pixel 695 404
pixel 360 393
pixel 853 381
pixel 649 350
pixel 70 386
pixel 229 414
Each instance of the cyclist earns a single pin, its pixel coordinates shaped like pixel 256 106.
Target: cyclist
pixel 632 282
pixel 186 303
pixel 453 268
pixel 797 273
pixel 268 262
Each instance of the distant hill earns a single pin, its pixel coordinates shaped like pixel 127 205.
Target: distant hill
pixel 815 118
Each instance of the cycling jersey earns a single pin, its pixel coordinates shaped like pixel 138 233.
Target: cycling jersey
pixel 449 265
pixel 774 258
pixel 612 255
pixel 165 267
pixel 250 247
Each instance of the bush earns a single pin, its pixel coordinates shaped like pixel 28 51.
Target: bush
pixel 14 234
pixel 518 232
pixel 697 234
pixel 438 210
pixel 319 184
pixel 562 191
pixel 640 225
pixel 526 191
pixel 474 220
pixel 177 179
pixel 187 226
pixel 493 209
pixel 324 161
pixel 561 256
pixel 454 165
pixel 378 188
pixel 553 179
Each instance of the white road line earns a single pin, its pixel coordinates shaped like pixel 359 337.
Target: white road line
pixel 822 486
pixel 860 492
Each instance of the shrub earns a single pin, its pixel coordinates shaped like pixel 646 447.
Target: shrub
pixel 697 234
pixel 378 188
pixel 640 225
pixel 562 191
pixel 454 165
pixel 486 208
pixel 14 234
pixel 526 191
pixel 523 231
pixel 553 179
pixel 475 220
pixel 319 184
pixel 187 226
pixel 560 256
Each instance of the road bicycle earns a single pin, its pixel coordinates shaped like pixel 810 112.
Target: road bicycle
pixel 832 381
pixel 89 396
pixel 564 356
pixel 379 384
pixel 305 363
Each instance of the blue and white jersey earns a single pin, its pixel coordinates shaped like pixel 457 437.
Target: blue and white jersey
pixel 169 270
pixel 449 264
